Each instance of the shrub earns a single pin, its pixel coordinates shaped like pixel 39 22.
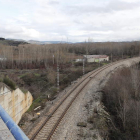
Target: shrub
pixel 9 83
pixel 122 100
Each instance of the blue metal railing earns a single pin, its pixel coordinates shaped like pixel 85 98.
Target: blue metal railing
pixel 12 126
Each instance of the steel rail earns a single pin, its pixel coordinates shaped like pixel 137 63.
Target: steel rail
pixel 65 111
pixel 49 116
pixel 69 93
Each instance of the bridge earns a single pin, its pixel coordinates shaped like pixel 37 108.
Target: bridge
pixel 9 130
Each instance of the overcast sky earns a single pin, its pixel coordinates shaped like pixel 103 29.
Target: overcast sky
pixel 75 20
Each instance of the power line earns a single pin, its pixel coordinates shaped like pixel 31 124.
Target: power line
pixel 35 99
pixel 34 85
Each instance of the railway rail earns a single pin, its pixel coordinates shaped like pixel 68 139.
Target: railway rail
pixel 47 129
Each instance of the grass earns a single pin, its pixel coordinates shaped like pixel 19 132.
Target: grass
pixel 9 83
pixel 21 76
pixel 105 63
pixel 35 104
pixel 67 75
pixel 37 74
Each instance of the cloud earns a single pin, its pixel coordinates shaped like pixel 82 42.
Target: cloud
pixel 19 31
pixel 53 2
pixel 111 6
pixel 58 19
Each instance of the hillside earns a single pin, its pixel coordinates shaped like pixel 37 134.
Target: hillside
pixel 8 42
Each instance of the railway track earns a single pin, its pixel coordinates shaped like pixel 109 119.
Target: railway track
pixel 49 125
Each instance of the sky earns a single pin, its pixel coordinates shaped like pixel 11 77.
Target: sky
pixel 73 20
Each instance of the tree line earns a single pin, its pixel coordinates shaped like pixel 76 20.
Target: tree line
pixel 31 56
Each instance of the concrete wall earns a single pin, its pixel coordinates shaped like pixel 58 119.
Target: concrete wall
pixel 16 103
pixel 104 59
pixel 91 60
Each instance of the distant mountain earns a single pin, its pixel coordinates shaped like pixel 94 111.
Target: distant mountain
pixel 38 42
pixel 1 38
pixel 45 42
pixel 16 39
pixel 12 42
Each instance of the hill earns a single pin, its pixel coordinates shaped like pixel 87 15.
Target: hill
pixel 11 42
pixel 45 42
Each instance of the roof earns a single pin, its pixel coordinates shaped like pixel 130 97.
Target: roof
pixel 95 56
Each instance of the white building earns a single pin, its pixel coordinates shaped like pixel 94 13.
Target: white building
pixel 96 58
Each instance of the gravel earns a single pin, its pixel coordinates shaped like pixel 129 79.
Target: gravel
pixel 84 105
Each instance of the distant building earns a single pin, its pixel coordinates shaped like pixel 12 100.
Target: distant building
pixel 96 58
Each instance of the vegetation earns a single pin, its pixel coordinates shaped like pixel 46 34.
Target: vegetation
pixel 11 42
pixel 36 65
pixel 38 102
pixel 28 56
pixel 9 83
pixel 122 100
pixel 2 38
pixel 43 82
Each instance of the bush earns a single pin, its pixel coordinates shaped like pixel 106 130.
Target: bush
pixel 122 100
pixel 9 83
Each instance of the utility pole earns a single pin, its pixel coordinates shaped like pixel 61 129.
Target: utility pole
pixel 23 53
pixel 58 72
pixel 72 59
pixel 111 53
pixel 122 55
pixel 99 62
pixel 83 65
pixel 121 49
pixel 139 49
pixel 23 57
pixel 12 49
pixel 53 59
pixel 19 57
